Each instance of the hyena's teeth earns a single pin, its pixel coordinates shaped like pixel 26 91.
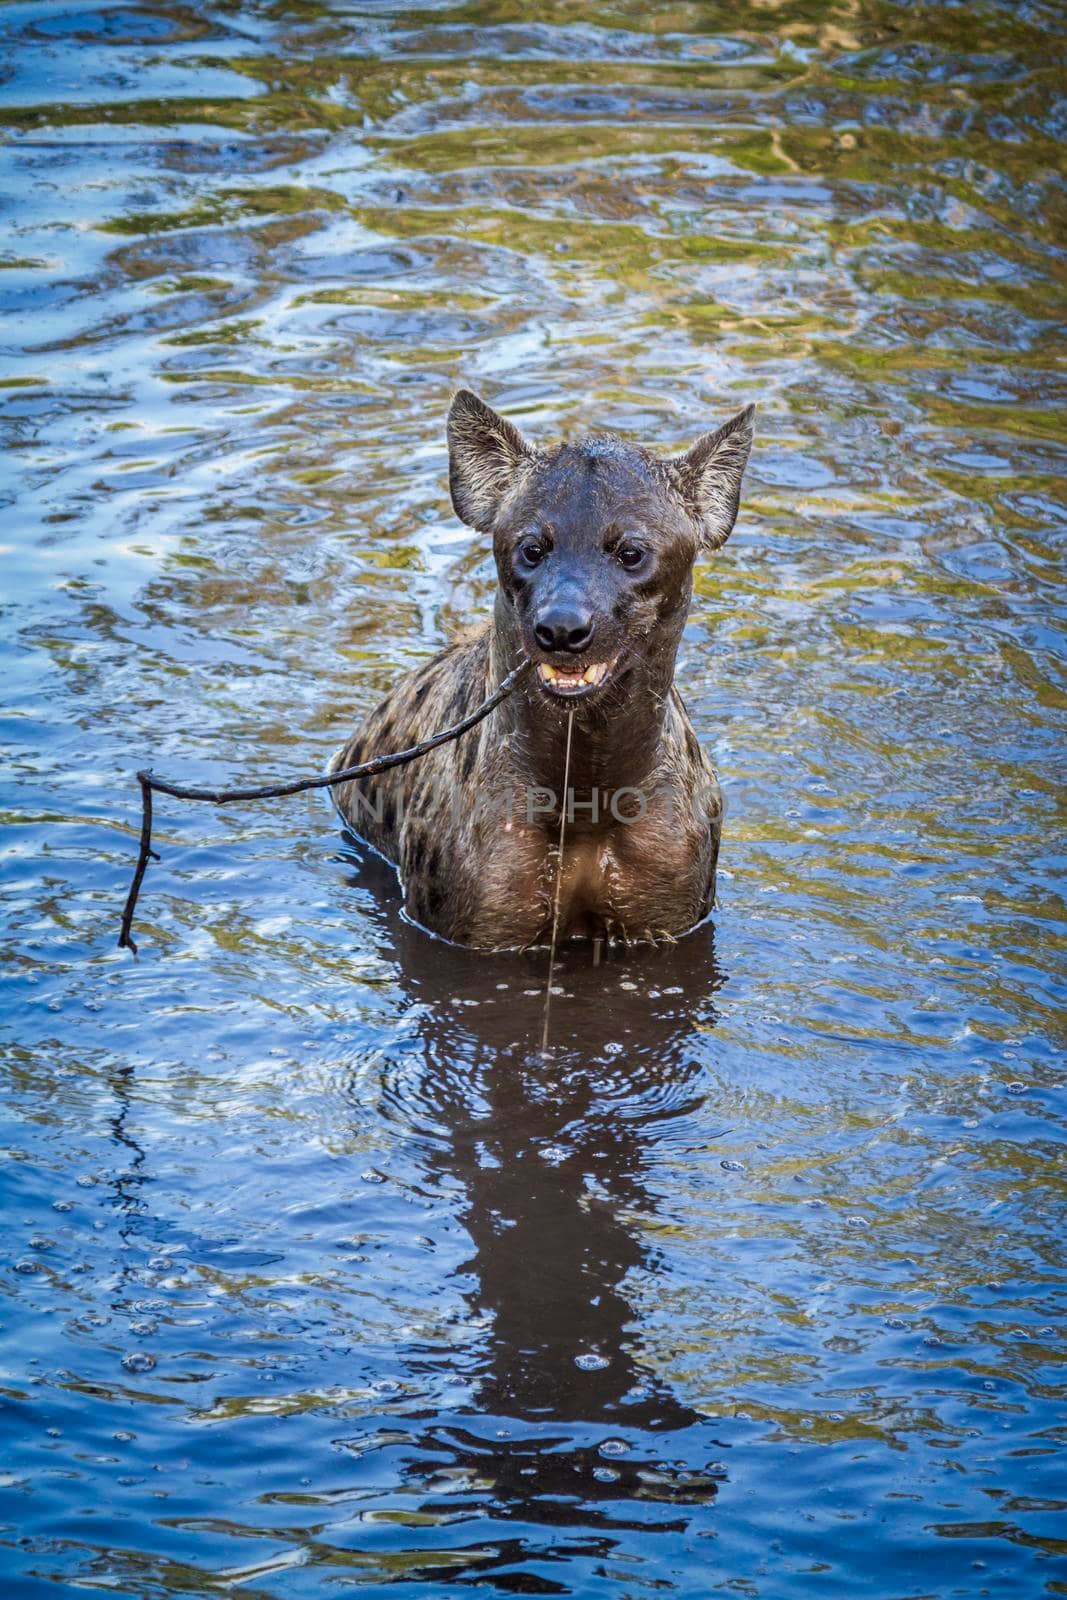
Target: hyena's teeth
pixel 561 679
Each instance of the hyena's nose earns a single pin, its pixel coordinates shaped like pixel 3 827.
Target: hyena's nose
pixel 564 627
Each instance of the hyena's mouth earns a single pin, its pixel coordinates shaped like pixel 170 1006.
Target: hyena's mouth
pixel 575 681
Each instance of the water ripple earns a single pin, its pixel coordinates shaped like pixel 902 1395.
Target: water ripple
pixel 317 1271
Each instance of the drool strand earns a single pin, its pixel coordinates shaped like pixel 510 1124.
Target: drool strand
pixel 559 883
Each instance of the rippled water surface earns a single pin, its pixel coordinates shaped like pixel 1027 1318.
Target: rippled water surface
pixel 317 1278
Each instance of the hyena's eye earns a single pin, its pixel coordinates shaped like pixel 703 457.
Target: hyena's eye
pixel 532 552
pixel 630 556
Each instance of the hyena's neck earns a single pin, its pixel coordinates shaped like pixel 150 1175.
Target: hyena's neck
pixel 614 745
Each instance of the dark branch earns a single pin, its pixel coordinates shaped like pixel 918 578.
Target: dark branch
pixel 274 791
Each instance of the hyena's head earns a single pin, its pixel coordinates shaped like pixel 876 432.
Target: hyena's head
pixel 594 542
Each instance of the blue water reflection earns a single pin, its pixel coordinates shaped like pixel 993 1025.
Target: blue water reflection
pixel 318 1275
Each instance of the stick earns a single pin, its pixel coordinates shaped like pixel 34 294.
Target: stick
pixel 274 791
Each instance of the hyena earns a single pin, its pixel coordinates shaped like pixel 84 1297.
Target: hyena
pixel 594 543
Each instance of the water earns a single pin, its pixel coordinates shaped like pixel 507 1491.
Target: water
pixel 316 1277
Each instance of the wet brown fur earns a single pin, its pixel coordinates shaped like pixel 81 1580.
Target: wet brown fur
pixel 473 839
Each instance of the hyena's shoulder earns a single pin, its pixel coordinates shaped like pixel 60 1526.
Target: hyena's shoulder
pixel 427 699
pixel 688 764
pixel 434 696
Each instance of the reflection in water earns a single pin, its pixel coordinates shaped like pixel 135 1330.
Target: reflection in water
pixel 549 1158
pixel 316 1276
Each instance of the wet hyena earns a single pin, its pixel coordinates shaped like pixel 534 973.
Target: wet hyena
pixel 594 544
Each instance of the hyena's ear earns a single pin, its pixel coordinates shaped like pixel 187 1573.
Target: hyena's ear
pixel 485 452
pixel 708 477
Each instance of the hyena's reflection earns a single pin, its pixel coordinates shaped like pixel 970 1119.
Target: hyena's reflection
pixel 554 1156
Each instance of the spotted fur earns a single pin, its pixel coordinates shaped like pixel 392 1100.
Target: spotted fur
pixel 469 826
